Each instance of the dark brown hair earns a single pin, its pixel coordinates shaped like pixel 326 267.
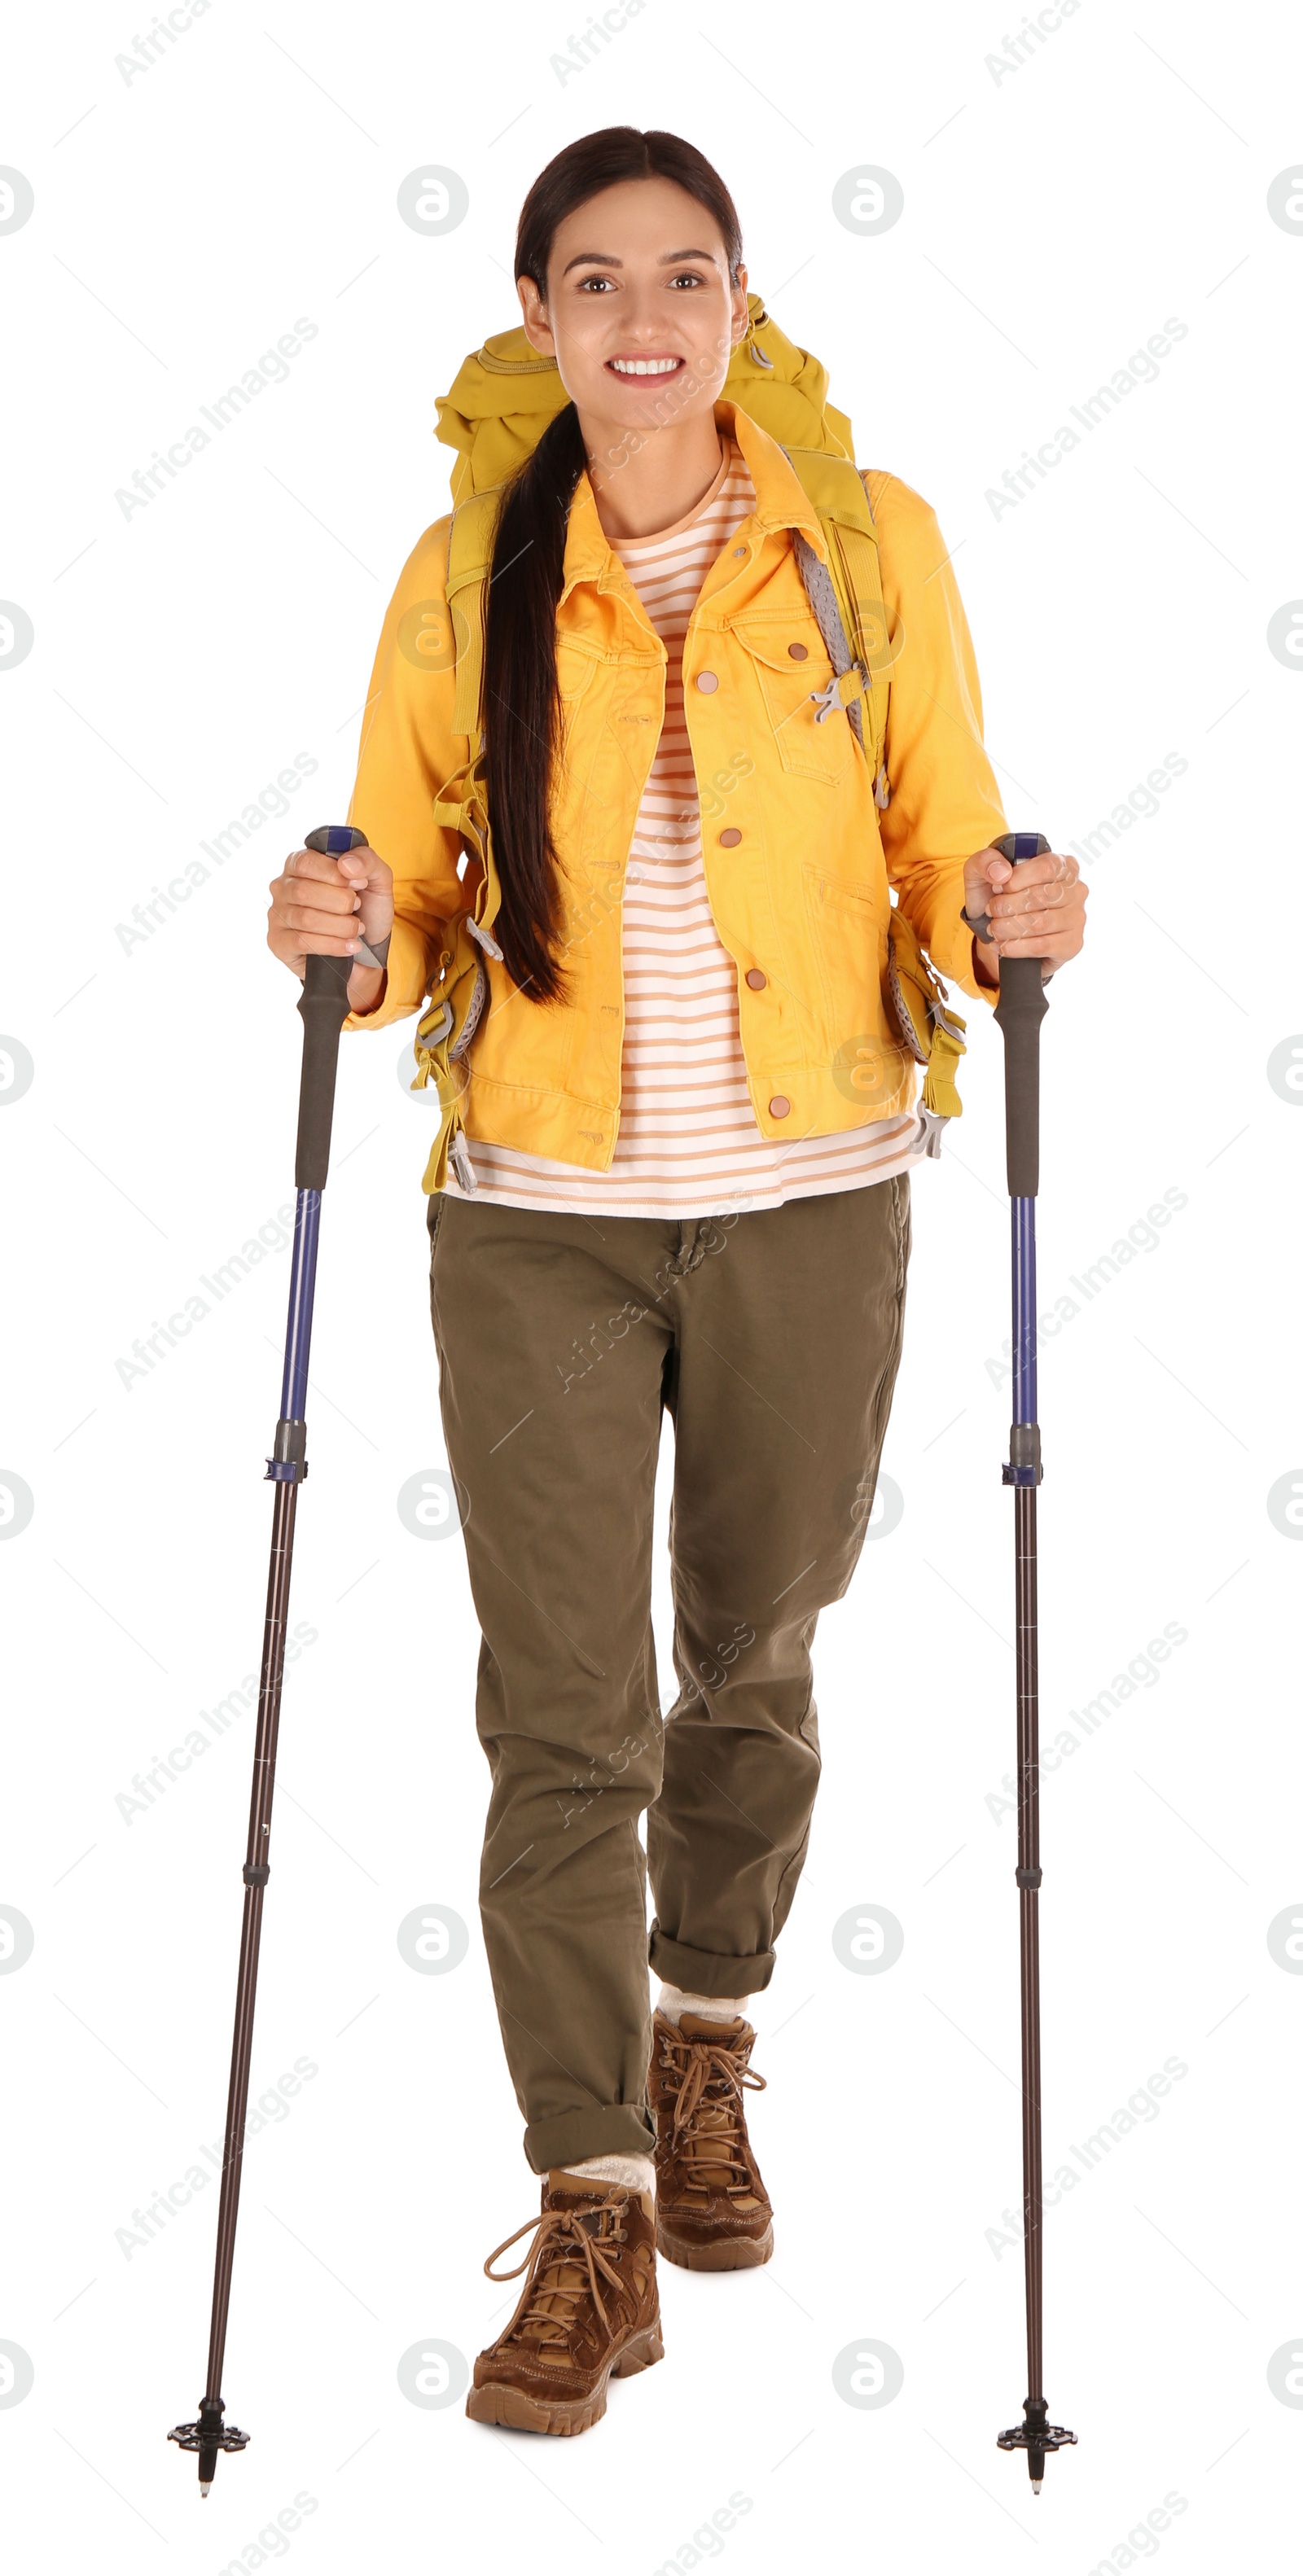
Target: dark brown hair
pixel 520 677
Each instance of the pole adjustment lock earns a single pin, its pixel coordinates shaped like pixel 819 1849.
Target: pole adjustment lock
pixel 257 1873
pixel 1024 1461
pixel 288 1463
pixel 1028 1877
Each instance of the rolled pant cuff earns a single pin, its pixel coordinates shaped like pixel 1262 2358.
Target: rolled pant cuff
pixel 705 1972
pixel 608 2129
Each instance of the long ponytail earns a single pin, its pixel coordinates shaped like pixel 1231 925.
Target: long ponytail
pixel 520 702
pixel 521 718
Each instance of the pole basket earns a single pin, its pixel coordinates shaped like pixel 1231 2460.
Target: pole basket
pixel 208 2435
pixel 1035 2436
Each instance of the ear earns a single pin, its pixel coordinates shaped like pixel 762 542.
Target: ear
pixel 538 330
pixel 739 318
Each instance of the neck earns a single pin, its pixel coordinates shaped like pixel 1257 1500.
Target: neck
pixel 663 474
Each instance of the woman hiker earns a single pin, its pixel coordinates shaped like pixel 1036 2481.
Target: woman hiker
pixel 673 1174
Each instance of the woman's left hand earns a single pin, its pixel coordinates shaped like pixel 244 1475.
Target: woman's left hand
pixel 1037 908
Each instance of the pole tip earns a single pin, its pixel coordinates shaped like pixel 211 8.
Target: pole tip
pixel 1036 2486
pixel 206 2490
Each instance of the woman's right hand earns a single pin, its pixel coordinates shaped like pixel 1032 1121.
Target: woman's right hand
pixel 320 906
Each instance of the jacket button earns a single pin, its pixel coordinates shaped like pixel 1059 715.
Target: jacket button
pixel 729 840
pixel 798 652
pixel 757 979
pixel 778 1106
pixel 707 680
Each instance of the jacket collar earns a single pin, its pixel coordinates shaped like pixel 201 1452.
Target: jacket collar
pixel 780 503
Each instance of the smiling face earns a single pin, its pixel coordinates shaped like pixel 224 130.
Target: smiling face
pixel 640 313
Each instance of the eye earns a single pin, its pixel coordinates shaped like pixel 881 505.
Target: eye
pixel 688 277
pixel 594 281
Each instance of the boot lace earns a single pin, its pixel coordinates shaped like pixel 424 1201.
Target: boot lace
pixel 563 2266
pixel 708 2126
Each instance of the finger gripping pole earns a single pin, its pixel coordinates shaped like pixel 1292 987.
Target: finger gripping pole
pixel 323 1007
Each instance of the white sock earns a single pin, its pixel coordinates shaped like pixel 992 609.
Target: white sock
pixel 637 2173
pixel 672 2001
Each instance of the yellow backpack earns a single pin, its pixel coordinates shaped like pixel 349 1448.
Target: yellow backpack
pixel 497 410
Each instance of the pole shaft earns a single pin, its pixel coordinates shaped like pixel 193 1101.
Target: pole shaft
pixel 1023 1233
pixel 303 1270
pixel 1023 1248
pixel 1029 1920
pixel 303 1285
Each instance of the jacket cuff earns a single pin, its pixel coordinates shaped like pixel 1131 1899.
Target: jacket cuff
pixel 949 944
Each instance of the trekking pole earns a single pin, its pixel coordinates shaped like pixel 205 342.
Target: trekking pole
pixel 1019 1011
pixel 324 1008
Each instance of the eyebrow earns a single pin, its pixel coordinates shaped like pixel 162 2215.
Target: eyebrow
pixel 607 259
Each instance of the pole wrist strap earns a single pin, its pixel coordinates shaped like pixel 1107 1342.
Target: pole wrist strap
pixel 376 954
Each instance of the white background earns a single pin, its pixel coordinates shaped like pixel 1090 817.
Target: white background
pixel 1054 218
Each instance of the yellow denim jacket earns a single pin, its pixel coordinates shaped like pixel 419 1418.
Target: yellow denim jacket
pixel 800 862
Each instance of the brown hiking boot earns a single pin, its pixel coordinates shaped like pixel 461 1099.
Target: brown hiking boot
pixel 588 2312
pixel 713 2213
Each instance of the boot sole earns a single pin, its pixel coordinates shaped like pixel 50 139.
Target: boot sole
pixel 499 2403
pixel 726 2254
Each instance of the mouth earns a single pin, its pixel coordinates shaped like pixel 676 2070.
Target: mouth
pixel 641 368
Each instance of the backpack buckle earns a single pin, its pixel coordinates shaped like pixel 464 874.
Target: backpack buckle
pixel 932 1126
pixel 841 691
pixel 443 1027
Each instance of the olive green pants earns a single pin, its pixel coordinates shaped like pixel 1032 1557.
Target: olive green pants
pixel 773 1340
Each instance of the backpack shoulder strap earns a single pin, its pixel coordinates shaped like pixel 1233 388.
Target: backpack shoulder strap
pixel 461 805
pixel 470 555
pixel 837 491
pixel 833 484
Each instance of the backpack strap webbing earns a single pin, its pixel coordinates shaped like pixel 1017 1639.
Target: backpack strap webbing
pixel 836 489
pixel 461 805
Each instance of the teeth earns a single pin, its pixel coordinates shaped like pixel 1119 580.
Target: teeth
pixel 644 366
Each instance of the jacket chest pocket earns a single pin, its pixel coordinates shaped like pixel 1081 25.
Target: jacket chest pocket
pixel 791 663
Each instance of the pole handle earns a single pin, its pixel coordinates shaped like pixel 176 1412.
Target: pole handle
pixel 323 1008
pixel 1020 1010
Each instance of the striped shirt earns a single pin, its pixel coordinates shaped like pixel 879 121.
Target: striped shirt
pixel 688 1143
